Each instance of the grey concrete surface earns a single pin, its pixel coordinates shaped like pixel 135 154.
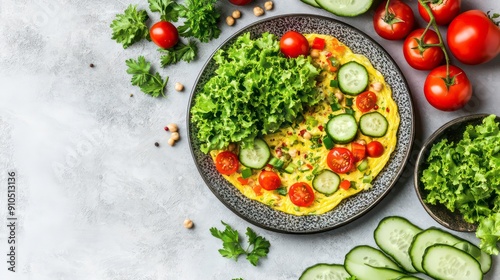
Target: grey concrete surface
pixel 95 199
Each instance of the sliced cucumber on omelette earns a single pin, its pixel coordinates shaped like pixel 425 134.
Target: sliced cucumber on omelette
pixel 256 155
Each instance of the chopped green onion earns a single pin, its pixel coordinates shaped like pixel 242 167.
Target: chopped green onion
pixel 334 83
pixel 276 162
pixel 348 102
pixel 336 106
pixel 245 173
pixel 328 142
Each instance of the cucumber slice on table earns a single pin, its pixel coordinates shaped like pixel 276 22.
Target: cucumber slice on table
pixel 373 124
pixel 346 8
pixel 325 271
pixel 311 2
pixel 326 182
pixel 368 263
pixel 342 128
pixel 394 236
pixel 483 258
pixel 353 78
pixel 446 262
pixel 255 156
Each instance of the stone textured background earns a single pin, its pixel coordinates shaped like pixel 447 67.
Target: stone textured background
pixel 97 199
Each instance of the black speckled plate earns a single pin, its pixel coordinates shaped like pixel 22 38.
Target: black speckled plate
pixel 453 131
pixel 352 208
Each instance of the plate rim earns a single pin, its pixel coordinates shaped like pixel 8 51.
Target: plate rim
pixel 396 176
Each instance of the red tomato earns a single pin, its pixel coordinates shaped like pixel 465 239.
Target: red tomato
pixel 473 38
pixel 419 57
pixel 240 2
pixel 444 11
pixel 301 194
pixel 447 94
pixel 374 149
pixel 366 101
pixel 345 184
pixel 340 160
pixel 226 163
pixel 269 180
pixel 358 151
pixel 396 23
pixel 293 44
pixel 318 43
pixel 164 34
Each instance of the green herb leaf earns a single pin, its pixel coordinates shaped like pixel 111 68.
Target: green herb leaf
pixel 260 247
pixel 151 84
pixel 201 18
pixel 130 27
pixel 488 232
pixel 177 53
pixel 168 9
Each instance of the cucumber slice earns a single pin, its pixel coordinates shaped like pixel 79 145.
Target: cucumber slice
pixel 394 236
pixel 353 78
pixel 367 263
pixel 427 238
pixel 325 271
pixel 326 182
pixel 342 128
pixel 344 8
pixel 311 2
pixel 483 258
pixel 255 156
pixel 446 262
pixel 373 124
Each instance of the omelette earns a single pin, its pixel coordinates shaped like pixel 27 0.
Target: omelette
pixel 301 152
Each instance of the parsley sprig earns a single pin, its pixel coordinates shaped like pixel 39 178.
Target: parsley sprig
pixel 130 27
pixel 149 83
pixel 181 51
pixel 258 246
pixel 201 17
pixel 168 9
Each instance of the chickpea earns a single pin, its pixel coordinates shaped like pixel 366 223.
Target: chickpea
pixel 268 5
pixel 188 223
pixel 175 136
pixel 258 11
pixel 230 21
pixel 292 152
pixel 172 127
pixel 377 86
pixel 307 135
pixel 361 141
pixel 171 142
pixel 236 14
pixel 314 53
pixel 179 87
pixel 339 96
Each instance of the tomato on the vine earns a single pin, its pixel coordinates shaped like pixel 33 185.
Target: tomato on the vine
pixel 340 160
pixel 447 93
pixel 473 38
pixel 164 34
pixel 269 180
pixel 294 44
pixel 444 11
pixel 301 194
pixel 417 55
pixel 396 22
pixel 366 101
pixel 240 2
pixel 374 149
pixel 226 162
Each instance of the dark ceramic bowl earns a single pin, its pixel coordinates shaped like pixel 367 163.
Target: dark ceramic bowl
pixel 453 131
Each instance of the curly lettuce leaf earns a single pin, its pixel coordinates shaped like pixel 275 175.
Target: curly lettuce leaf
pixel 255 91
pixel 488 232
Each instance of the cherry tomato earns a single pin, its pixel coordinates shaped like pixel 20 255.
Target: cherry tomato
pixel 447 94
pixel 374 149
pixel 396 23
pixel 366 101
pixel 164 34
pixel 358 151
pixel 269 180
pixel 293 44
pixel 345 184
pixel 473 38
pixel 226 163
pixel 301 194
pixel 420 57
pixel 443 10
pixel 340 160
pixel 240 2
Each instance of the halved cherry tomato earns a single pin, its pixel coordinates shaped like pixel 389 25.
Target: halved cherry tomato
pixel 366 101
pixel 318 43
pixel 345 184
pixel 294 44
pixel 374 149
pixel 226 163
pixel 301 194
pixel 340 160
pixel 358 151
pixel 269 180
pixel 444 11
